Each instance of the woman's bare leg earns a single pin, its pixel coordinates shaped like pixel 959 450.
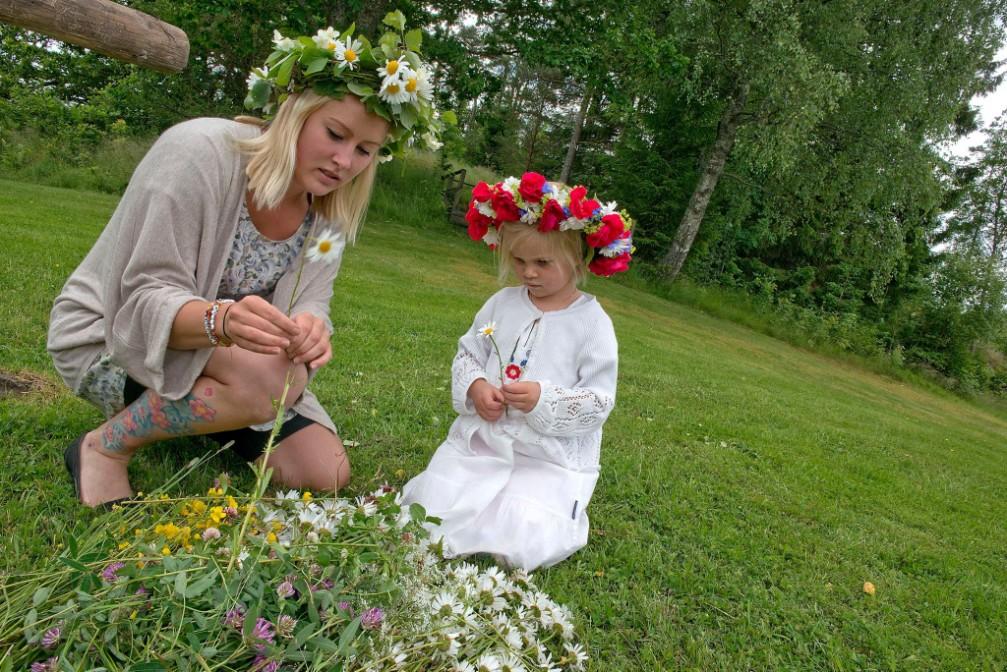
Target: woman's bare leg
pixel 312 458
pixel 236 390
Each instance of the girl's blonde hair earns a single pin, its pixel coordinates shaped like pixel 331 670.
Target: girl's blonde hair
pixel 566 246
pixel 273 158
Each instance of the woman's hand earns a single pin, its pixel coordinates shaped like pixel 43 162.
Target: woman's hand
pixel 312 346
pixel 255 324
pixel 523 396
pixel 487 399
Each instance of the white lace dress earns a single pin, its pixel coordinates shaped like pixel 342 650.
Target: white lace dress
pixel 518 488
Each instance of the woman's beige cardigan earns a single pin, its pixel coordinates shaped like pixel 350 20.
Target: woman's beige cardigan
pixel 166 245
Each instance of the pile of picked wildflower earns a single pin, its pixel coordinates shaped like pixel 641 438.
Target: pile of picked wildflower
pixel 230 582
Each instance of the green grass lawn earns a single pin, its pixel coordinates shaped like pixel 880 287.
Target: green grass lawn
pixel 748 488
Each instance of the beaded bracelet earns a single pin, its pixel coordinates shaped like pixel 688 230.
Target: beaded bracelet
pixel 210 323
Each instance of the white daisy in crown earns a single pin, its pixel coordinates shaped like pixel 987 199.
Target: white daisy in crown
pixel 418 84
pixel 326 38
pixel 348 52
pixel 394 67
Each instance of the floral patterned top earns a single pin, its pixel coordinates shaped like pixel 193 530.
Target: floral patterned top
pixel 254 266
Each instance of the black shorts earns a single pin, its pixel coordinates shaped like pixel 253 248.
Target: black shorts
pixel 249 444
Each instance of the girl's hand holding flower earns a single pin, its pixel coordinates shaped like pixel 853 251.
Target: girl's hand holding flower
pixel 312 346
pixel 488 400
pixel 255 324
pixel 523 396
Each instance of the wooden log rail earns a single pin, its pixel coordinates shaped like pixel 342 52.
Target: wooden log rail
pixel 106 27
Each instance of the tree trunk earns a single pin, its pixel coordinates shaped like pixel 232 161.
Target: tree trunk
pixel 536 125
pixel 578 124
pixel 713 167
pixel 105 27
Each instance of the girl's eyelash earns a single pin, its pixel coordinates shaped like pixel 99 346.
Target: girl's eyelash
pixel 334 135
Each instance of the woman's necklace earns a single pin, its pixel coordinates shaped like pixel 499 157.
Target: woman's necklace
pixel 515 369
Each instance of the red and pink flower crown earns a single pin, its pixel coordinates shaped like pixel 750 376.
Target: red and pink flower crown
pixel 553 206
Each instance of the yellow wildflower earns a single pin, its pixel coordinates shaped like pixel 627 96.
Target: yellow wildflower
pixel 132 615
pixel 306 496
pixel 123 544
pixel 165 551
pixel 199 507
pixel 217 514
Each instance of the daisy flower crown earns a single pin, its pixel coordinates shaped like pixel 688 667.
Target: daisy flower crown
pixel 388 77
pixel 553 206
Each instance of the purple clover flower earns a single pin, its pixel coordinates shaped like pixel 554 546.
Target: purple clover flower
pixel 50 665
pixel 263 664
pixel 263 634
pixel 285 625
pixel 235 617
pixel 346 607
pixel 371 619
pixel 286 589
pixel 50 638
pixel 142 591
pixel 111 572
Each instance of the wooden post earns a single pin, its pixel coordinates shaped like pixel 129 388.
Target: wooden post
pixel 105 27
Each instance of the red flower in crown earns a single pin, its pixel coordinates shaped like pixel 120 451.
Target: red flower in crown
pixel 610 229
pixel 552 215
pixel 479 223
pixel 580 208
pixel 531 187
pixel 513 371
pixel 482 192
pixel 606 266
pixel 505 207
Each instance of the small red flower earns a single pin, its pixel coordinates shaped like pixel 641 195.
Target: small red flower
pixel 505 207
pixel 531 187
pixel 606 266
pixel 513 371
pixel 552 215
pixel 482 192
pixel 611 228
pixel 479 223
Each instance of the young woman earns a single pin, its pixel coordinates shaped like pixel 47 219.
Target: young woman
pixel 183 317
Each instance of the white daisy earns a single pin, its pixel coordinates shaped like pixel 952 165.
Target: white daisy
pixel 512 663
pixel 395 68
pixel 417 83
pixel 511 184
pixel 281 43
pixel 348 52
pixel 577 651
pixel 488 329
pixel 609 208
pixel 393 91
pixel 327 247
pixel 326 39
pixel 488 663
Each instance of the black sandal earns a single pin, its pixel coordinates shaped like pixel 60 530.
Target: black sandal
pixel 71 460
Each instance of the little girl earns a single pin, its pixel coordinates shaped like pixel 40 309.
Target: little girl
pixel 533 380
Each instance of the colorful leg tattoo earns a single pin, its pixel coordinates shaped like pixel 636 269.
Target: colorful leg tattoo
pixel 151 414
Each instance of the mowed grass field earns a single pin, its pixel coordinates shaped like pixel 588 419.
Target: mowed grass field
pixel 748 488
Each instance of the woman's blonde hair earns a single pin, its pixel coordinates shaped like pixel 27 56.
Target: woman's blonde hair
pixel 566 246
pixel 273 158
